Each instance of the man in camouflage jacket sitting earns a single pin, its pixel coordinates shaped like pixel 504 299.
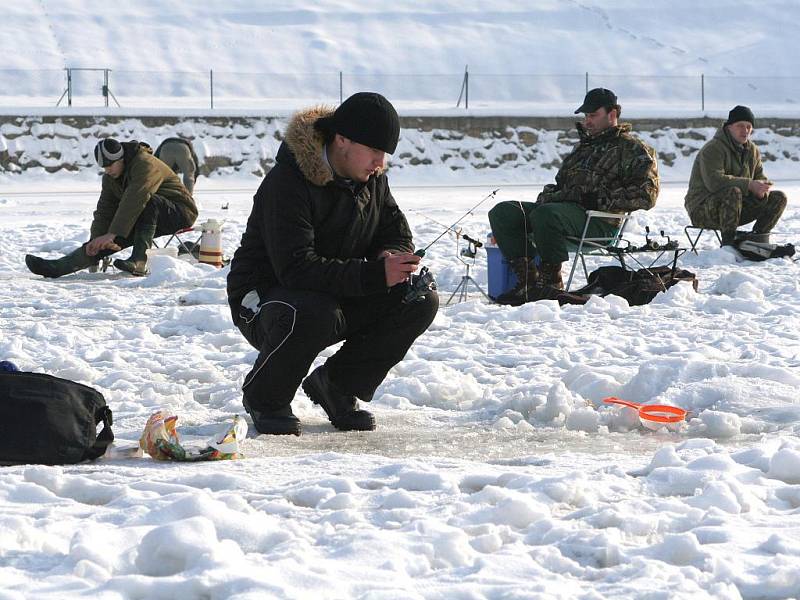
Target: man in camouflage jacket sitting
pixel 728 188
pixel 609 170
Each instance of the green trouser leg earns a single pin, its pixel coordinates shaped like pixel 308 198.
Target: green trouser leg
pixel 511 225
pixel 142 241
pixel 527 229
pixel 552 223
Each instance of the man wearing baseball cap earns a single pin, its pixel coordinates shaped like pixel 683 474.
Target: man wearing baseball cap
pixel 609 170
pixel 728 188
pixel 141 198
pixel 324 259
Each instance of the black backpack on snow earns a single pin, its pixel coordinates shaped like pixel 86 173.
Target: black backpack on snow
pixel 637 287
pixel 759 251
pixel 51 421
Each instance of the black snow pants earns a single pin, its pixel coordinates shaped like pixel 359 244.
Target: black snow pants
pixel 293 326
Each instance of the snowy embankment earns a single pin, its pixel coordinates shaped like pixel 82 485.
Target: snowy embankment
pixel 496 470
pixel 61 148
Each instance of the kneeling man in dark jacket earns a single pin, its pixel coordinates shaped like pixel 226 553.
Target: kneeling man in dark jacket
pixel 324 259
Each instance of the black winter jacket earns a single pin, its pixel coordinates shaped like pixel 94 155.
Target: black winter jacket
pixel 309 230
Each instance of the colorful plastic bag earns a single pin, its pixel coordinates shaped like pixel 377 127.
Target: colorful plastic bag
pixel 160 440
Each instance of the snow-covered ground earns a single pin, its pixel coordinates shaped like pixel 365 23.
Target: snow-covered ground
pixel 495 471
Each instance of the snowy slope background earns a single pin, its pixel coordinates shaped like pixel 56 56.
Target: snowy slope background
pixel 530 56
pixel 496 471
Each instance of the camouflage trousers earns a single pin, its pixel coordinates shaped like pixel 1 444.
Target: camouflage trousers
pixel 728 209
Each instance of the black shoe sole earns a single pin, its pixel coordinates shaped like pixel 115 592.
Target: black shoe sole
pixel 278 426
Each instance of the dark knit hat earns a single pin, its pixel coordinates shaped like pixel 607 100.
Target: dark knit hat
pixel 741 113
pixel 107 151
pixel 367 118
pixel 597 98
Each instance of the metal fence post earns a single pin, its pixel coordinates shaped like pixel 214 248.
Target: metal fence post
pixel 703 92
pixel 68 91
pixel 586 85
pixel 105 85
pixel 211 86
pixel 464 93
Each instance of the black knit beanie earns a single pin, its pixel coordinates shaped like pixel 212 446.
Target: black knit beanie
pixel 741 113
pixel 367 118
pixel 107 151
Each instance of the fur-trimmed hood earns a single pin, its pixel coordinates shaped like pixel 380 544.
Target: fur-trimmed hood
pixel 305 143
pixel 311 230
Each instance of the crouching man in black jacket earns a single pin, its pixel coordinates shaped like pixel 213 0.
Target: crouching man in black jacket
pixel 324 259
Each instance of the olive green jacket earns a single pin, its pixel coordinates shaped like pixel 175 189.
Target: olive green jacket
pixel 122 200
pixel 721 164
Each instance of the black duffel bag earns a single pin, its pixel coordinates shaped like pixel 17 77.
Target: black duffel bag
pixel 637 287
pixel 51 421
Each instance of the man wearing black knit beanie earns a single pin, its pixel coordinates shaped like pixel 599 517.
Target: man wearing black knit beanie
pixel 324 259
pixel 728 188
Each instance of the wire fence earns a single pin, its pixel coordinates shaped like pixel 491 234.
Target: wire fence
pixel 93 87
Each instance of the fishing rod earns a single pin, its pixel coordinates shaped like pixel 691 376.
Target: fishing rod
pixel 418 286
pixel 421 252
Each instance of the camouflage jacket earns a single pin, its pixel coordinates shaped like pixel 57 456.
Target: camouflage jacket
pixel 612 171
pixel 721 164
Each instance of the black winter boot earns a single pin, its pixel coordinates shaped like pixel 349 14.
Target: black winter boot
pixel 281 421
pixel 342 409
pixel 136 264
pixel 527 279
pixel 72 262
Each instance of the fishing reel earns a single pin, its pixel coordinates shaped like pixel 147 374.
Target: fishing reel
pixel 655 245
pixel 471 249
pixel 419 286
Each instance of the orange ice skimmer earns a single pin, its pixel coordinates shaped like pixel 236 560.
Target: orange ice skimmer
pixel 651 415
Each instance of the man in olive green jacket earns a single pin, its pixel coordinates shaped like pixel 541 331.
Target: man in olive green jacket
pixel 728 188
pixel 141 198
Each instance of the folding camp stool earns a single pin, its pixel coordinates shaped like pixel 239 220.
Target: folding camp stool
pixel 700 230
pixel 181 242
pixel 588 246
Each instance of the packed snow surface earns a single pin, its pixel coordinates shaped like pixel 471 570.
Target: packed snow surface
pixel 496 471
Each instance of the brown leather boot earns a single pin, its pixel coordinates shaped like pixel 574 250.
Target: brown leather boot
pixel 551 275
pixel 527 278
